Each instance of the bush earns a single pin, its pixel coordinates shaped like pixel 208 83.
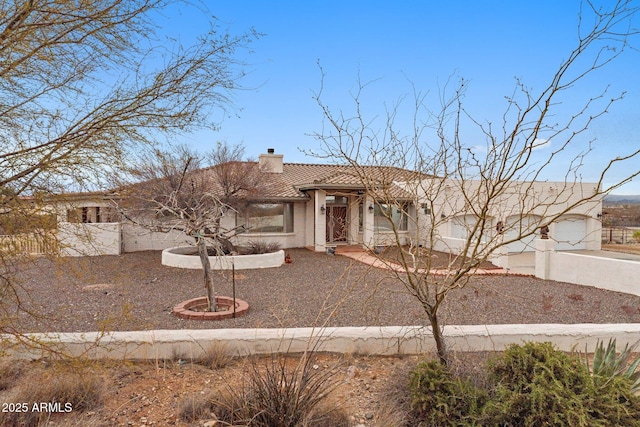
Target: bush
pixel 442 400
pixel 538 385
pixel 256 247
pixel 280 395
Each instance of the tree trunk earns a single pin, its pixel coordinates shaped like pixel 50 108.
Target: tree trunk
pixel 208 277
pixel 441 348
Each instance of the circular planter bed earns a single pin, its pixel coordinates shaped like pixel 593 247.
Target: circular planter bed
pixel 193 309
pixel 187 257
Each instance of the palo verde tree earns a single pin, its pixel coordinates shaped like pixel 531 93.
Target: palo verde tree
pixel 84 84
pixel 490 190
pixel 180 190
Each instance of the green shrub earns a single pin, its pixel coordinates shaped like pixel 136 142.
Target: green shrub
pixel 538 385
pixel 442 400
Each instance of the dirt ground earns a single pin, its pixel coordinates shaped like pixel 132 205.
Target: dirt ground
pixel 370 390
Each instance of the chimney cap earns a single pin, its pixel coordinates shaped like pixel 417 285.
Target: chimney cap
pixel 270 151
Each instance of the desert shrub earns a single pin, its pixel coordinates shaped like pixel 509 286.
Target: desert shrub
pixel 440 399
pixel 255 247
pixel 607 363
pixel 215 356
pixel 538 385
pixel 280 395
pixel 73 390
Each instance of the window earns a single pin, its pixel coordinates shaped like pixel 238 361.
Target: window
pixel 267 218
pixel 386 216
pixel 90 214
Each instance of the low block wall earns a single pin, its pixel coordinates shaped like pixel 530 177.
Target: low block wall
pixel 392 340
pixel 183 257
pixel 604 273
pixel 85 239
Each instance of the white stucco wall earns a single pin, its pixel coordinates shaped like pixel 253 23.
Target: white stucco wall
pixel 604 273
pixel 136 238
pixel 78 239
pixel 388 340
pixel 186 257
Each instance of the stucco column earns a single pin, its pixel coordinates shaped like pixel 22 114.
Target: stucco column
pixel 544 252
pixel 594 234
pixel 368 238
pixel 352 212
pixel 320 221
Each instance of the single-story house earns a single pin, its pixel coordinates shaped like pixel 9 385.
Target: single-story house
pixel 319 206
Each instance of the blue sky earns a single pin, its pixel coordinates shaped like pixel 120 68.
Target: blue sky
pixel 488 43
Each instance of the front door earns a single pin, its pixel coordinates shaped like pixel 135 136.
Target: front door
pixel 336 223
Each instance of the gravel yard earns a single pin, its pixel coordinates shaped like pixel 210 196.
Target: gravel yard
pixel 135 292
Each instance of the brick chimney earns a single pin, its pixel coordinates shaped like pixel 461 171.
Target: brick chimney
pixel 270 162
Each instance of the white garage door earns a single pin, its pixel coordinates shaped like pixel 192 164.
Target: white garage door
pixel 461 225
pixel 516 226
pixel 570 234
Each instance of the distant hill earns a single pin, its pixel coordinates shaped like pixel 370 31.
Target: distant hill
pixel 615 199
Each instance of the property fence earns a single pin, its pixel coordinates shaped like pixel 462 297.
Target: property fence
pixel 618 235
pixel 29 244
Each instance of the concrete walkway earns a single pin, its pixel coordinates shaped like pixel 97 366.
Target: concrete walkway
pixel 366 258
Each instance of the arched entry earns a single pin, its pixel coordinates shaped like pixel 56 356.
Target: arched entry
pixel 517 225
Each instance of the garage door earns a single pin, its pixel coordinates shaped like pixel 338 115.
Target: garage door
pixel 570 234
pixel 516 226
pixel 461 225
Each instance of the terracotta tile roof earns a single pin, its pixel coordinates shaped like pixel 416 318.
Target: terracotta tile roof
pixel 298 177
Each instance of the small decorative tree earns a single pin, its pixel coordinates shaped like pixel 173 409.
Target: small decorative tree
pixel 181 190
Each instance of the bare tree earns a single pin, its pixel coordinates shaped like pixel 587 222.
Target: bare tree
pixel 493 193
pixel 179 190
pixel 84 84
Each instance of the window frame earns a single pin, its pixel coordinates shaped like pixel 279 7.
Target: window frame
pixel 243 218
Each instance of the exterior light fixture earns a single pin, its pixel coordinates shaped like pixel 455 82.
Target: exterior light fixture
pixel 371 208
pixel 599 215
pixel 322 209
pixel 442 216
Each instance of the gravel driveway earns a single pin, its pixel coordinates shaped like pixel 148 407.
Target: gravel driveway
pixel 135 292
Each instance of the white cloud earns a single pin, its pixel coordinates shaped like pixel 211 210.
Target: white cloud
pixel 540 143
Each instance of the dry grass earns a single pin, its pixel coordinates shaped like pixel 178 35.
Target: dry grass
pixel 61 388
pixel 197 406
pixel 216 356
pixel 10 372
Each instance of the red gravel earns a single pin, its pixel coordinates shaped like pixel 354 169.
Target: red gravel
pixel 135 292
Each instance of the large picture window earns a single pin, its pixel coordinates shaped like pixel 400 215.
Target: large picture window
pixel 387 216
pixel 267 218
